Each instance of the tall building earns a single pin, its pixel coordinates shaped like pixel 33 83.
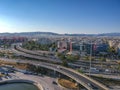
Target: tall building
pixel 110 43
pixel 118 49
pixel 70 46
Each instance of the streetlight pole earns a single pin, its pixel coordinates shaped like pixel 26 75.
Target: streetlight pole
pixel 90 58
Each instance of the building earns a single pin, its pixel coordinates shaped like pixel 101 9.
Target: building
pixel 45 41
pixel 85 48
pixel 82 49
pixel 62 46
pixel 111 43
pixel 101 48
pixel 118 49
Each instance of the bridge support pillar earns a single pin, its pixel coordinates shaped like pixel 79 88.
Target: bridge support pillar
pixel 54 73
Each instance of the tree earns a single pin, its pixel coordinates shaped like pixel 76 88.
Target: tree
pixel 118 68
pixel 32 45
pixel 64 63
pixel 61 56
pixel 80 71
pixel 111 51
pixel 102 59
pixel 72 57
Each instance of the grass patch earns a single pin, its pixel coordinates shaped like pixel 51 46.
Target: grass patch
pixel 14 64
pixel 67 84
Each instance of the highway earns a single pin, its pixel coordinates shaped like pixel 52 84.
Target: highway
pixel 79 63
pixel 78 77
pixel 29 51
pixel 21 52
pixel 36 55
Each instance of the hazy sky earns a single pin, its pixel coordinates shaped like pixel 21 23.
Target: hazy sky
pixel 60 16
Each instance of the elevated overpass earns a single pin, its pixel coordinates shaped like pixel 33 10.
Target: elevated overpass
pixel 26 53
pixel 82 79
pixel 29 53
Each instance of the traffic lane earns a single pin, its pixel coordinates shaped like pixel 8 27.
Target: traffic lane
pixel 36 57
pixel 81 78
pixel 69 74
pixel 58 68
pixel 55 66
pixel 33 53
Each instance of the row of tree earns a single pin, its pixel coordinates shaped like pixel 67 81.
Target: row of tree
pixel 33 45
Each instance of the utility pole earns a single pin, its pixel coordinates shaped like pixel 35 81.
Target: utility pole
pixel 90 58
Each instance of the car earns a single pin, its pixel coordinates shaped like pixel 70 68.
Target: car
pixel 54 82
pixel 58 67
pixel 40 74
pixel 35 73
pixel 92 86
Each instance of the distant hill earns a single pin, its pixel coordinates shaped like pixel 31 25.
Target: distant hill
pixel 103 34
pixel 109 34
pixel 28 34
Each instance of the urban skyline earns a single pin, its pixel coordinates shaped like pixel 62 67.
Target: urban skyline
pixel 59 44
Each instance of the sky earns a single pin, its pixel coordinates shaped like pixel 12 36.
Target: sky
pixel 60 16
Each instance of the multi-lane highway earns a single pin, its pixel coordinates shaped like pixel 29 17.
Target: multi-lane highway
pixel 87 82
pixel 31 54
pixel 79 63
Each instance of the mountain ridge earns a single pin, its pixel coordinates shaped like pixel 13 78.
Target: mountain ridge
pixel 52 33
